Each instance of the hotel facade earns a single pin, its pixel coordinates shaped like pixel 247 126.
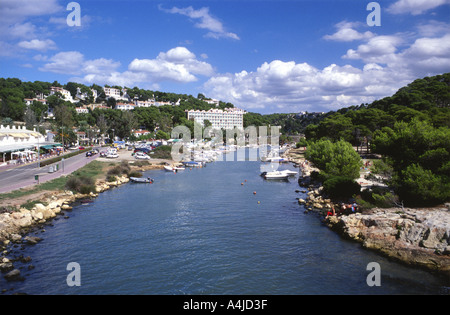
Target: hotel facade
pixel 223 119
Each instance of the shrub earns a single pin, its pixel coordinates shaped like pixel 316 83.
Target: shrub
pixel 163 152
pixel 379 197
pixel 135 174
pixel 420 187
pixel 83 185
pixel 141 163
pixel 86 189
pixel 122 169
pixel 111 178
pixel 301 143
pixel 339 187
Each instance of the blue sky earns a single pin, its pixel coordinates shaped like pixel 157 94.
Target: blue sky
pixel 263 56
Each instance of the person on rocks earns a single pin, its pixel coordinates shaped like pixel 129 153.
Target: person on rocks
pixel 331 213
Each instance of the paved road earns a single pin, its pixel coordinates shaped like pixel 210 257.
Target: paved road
pixel 24 176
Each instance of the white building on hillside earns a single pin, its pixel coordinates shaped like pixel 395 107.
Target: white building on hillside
pixel 148 103
pixel 224 119
pixel 66 94
pixel 82 110
pixel 116 94
pixel 125 106
pixel 212 102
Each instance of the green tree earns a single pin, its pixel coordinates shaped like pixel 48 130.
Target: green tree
pixel 421 187
pixel 419 155
pixel 13 105
pixel 334 159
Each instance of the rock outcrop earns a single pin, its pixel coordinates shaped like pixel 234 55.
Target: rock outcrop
pixel 419 237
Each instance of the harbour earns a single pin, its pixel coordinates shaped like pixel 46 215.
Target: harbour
pixel 219 229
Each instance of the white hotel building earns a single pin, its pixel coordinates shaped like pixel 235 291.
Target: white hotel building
pixel 224 119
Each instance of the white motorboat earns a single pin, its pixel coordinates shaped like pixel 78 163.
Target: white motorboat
pixel 193 164
pixel 169 168
pixel 289 172
pixel 141 180
pixel 275 175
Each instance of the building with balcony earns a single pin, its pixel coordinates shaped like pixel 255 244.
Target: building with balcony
pixel 223 119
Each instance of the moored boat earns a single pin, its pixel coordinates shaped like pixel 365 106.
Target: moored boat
pixel 275 175
pixel 289 172
pixel 142 180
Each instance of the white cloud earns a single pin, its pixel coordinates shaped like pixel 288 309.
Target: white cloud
pixel 296 87
pixel 206 21
pixel 389 63
pixel 346 32
pixel 40 45
pixel 433 28
pixel 415 7
pixel 379 49
pixel 70 62
pixel 74 63
pixel 100 66
pixel 177 64
pixel 13 15
pixel 13 11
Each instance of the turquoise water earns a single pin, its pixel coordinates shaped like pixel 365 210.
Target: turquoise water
pixel 202 232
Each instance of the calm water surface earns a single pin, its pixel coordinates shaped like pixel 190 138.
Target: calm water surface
pixel 202 232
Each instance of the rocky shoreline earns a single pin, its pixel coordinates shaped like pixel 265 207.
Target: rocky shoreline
pixel 416 237
pixel 16 227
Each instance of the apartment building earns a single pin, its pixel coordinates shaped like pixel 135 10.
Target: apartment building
pixel 224 119
pixel 65 93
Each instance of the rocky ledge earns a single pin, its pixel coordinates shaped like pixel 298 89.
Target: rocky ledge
pixel 419 237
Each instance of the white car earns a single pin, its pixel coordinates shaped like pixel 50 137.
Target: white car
pixel 141 156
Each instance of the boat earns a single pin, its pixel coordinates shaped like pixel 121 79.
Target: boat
pixel 173 168
pixel 168 168
pixel 193 164
pixel 275 175
pixel 289 172
pixel 275 159
pixel 142 180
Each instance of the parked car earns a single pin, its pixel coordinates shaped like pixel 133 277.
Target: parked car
pixel 145 150
pixel 141 156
